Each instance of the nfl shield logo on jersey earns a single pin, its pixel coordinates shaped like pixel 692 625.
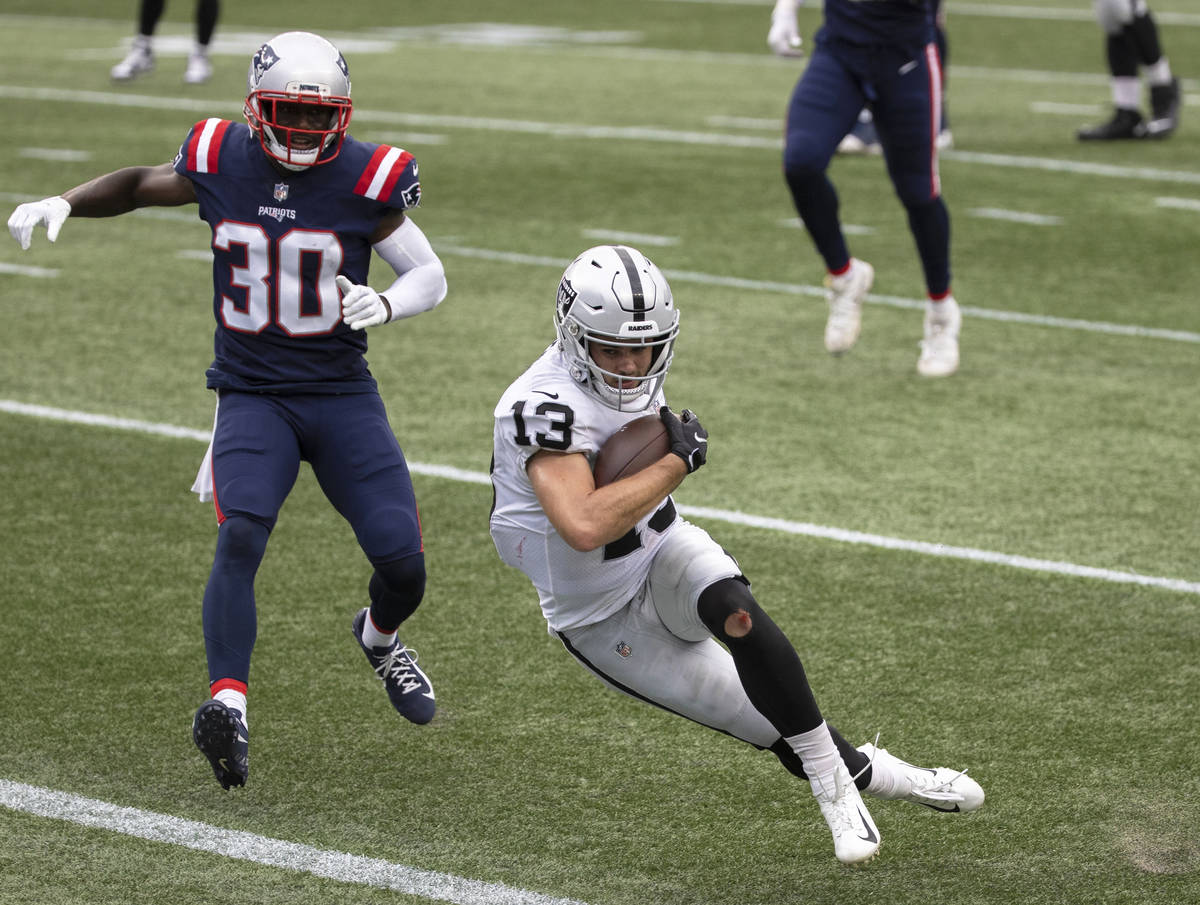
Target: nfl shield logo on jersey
pixel 623 650
pixel 281 191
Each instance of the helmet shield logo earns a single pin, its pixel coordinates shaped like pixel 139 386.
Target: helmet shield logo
pixel 265 58
pixel 566 297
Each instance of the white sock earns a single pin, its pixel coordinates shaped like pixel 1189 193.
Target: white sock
pixel 1126 92
pixel 234 700
pixel 200 50
pixel 373 637
pixel 1159 73
pixel 816 751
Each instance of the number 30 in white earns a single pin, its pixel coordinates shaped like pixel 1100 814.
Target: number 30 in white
pixel 255 277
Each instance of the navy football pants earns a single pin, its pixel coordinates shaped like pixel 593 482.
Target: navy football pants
pixel 903 88
pixel 258 444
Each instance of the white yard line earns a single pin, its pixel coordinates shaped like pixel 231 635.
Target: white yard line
pixel 243 846
pixel 998 213
pixel 786 526
pixel 594 132
pixel 614 235
pixel 709 279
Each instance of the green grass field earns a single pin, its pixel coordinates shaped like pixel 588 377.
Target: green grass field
pixel 1062 458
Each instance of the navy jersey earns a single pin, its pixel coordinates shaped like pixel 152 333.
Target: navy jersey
pixel 896 22
pixel 279 240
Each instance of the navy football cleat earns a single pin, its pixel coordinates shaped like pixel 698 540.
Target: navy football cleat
pixel 408 688
pixel 223 738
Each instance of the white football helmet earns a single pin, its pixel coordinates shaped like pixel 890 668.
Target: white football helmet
pixel 298 68
pixel 613 295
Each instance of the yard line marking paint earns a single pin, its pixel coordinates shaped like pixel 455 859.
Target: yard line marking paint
pixel 786 526
pixel 608 133
pixel 998 213
pixel 708 279
pixel 244 846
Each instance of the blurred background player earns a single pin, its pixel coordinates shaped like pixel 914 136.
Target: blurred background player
pixel 296 207
pixel 883 53
pixel 639 596
pixel 1131 43
pixel 864 139
pixel 140 59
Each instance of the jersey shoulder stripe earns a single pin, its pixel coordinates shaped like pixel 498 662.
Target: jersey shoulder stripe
pixel 204 146
pixel 382 172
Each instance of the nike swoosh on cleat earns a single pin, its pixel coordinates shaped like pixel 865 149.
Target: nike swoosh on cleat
pixel 870 837
pixel 222 763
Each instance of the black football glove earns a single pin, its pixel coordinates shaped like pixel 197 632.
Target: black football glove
pixel 689 439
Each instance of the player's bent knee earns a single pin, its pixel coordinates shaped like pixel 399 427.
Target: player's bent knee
pixel 403 577
pixel 728 609
pixel 242 538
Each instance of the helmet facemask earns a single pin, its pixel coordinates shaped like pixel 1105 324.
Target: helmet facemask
pixel 298 99
pixel 615 296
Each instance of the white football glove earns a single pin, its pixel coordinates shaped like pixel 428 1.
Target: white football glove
pixel 361 305
pixel 51 211
pixel 784 36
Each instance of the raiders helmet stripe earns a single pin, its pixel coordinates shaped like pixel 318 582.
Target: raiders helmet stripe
pixel 635 283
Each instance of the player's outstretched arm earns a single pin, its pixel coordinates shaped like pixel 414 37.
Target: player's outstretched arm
pixel 587 517
pixel 420 278
pixel 784 36
pixel 105 196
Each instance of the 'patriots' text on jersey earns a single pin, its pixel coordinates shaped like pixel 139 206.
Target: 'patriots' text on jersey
pixel 279 239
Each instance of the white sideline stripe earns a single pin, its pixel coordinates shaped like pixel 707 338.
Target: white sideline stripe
pixel 1181 204
pixel 635 238
pixel 56 154
pixel 244 846
pixel 22 270
pixel 606 133
pixel 786 526
pixel 997 213
pixel 1066 109
pixel 708 279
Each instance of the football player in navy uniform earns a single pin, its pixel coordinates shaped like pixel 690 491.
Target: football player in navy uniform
pixel 881 54
pixel 636 594
pixel 296 206
pixel 1131 43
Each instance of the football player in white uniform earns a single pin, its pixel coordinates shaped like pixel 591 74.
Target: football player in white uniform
pixel 640 596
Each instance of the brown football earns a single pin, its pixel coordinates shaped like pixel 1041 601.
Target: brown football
pixel 639 443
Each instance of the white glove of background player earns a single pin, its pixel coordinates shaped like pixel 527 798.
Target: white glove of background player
pixel 361 305
pixel 51 211
pixel 784 36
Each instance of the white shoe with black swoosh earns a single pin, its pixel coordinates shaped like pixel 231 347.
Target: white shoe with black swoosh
pixel 855 837
pixel 939 788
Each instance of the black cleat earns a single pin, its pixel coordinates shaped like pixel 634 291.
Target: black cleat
pixel 1165 101
pixel 1126 123
pixel 409 689
pixel 222 737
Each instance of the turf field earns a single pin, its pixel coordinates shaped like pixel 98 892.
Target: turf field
pixel 996 571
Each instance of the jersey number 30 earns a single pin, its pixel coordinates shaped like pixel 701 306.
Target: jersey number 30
pixel 253 314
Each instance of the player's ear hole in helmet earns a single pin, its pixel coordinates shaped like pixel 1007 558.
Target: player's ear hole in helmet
pixel 298 99
pixel 615 295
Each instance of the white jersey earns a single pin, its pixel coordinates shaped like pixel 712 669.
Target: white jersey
pixel 545 408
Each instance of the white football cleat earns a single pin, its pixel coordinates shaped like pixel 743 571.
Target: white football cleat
pixel 855 838
pixel 939 348
pixel 199 69
pixel 845 296
pixel 139 61
pixel 940 788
